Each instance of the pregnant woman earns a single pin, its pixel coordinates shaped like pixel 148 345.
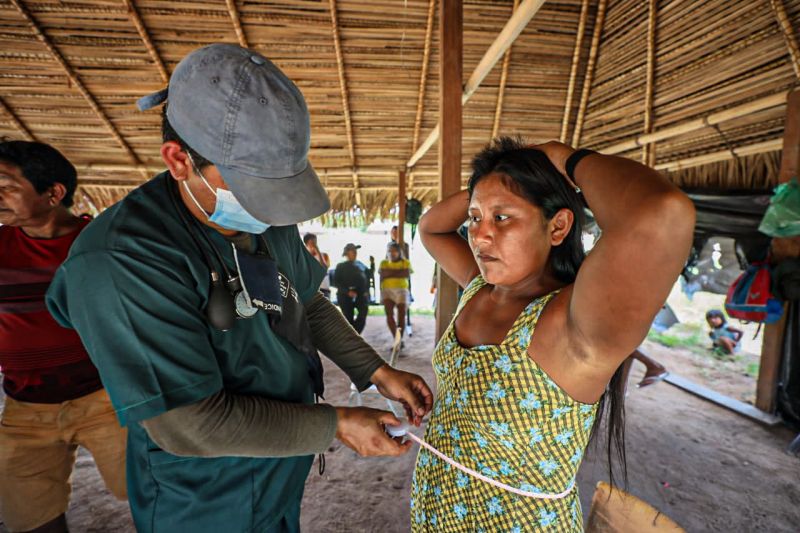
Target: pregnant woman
pixel 532 358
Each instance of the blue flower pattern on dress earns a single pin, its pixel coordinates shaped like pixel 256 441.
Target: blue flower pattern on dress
pixel 498 413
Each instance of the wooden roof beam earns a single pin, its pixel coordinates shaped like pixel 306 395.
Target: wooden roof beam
pixel 711 119
pixel 16 122
pixel 788 33
pixel 589 76
pixel 513 28
pixel 648 150
pixel 501 90
pixel 723 155
pixel 423 81
pixel 337 45
pixel 573 71
pixel 133 14
pixel 75 79
pixel 233 11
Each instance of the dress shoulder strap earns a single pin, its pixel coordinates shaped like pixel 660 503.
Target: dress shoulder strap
pixel 522 331
pixel 470 290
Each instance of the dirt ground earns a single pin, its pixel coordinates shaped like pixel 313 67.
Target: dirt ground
pixel 707 468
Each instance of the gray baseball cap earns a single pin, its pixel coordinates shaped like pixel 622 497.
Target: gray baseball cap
pixel 239 111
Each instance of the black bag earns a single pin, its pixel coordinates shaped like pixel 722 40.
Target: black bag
pixel 786 280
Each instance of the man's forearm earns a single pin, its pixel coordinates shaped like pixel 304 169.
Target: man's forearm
pixel 227 424
pixel 337 339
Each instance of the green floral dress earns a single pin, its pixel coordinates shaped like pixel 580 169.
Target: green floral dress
pixel 498 413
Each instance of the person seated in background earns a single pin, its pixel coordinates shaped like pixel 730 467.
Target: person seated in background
pixel 725 338
pixel 55 400
pixel 352 287
pixel 394 235
pixel 310 240
pixel 395 272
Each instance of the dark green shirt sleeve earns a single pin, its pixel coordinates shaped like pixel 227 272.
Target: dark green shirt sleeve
pixel 226 424
pixel 340 343
pixel 142 323
pixel 308 273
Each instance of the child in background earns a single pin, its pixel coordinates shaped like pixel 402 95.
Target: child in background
pixel 725 338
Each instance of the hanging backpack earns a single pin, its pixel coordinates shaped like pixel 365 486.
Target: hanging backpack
pixel 750 297
pixel 413 214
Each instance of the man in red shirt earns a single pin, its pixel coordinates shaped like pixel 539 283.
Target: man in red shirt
pixel 54 398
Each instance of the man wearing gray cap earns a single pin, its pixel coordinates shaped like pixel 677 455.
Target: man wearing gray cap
pixel 199 305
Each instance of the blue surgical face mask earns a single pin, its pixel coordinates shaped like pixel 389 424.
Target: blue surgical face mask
pixel 228 212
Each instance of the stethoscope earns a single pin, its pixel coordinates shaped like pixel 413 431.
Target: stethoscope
pixel 227 298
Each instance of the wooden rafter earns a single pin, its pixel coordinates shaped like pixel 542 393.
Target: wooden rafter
pixel 337 45
pixel 512 29
pixel 233 11
pixel 501 90
pixel 76 81
pixel 423 82
pixel 723 155
pixel 648 150
pixel 573 71
pixel 710 119
pixel 16 122
pixel 788 33
pixel 589 76
pixel 133 14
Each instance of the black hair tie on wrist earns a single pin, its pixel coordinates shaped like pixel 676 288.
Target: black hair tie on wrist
pixel 574 159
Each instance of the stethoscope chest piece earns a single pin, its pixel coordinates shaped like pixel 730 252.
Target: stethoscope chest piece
pixel 243 306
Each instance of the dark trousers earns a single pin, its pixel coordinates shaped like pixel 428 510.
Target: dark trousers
pixel 350 306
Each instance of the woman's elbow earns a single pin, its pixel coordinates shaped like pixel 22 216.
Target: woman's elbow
pixel 674 212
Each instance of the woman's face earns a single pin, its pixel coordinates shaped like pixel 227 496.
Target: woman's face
pixel 509 236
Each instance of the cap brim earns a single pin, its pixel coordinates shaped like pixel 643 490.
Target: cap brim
pixel 279 201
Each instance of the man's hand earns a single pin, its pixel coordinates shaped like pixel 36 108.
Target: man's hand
pixel 362 430
pixel 406 388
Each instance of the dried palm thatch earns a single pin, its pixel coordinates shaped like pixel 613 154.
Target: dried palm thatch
pixel 72 69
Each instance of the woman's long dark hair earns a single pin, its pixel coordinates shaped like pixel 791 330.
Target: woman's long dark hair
pixel 528 173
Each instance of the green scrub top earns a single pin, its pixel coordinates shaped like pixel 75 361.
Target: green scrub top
pixel 135 287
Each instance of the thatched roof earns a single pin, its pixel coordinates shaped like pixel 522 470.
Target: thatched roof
pixel 72 70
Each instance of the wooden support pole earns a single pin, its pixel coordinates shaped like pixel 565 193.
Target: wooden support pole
pixel 501 89
pixel 772 347
pixel 513 28
pixel 16 122
pixel 788 33
pixel 337 46
pixel 233 11
pixel 710 119
pixel 401 204
pixel 589 76
pixel 133 14
pixel 423 82
pixel 648 150
pixel 76 81
pixel 573 71
pixel 450 119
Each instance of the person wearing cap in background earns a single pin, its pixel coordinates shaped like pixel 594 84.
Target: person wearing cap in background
pixel 352 287
pixel 199 305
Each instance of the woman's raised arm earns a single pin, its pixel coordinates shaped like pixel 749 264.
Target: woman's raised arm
pixel 647 226
pixel 438 230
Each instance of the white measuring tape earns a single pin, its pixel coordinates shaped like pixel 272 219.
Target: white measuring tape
pixel 404 430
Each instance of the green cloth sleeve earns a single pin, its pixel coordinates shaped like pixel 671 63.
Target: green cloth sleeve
pixel 225 425
pixel 308 273
pixel 340 343
pixel 142 323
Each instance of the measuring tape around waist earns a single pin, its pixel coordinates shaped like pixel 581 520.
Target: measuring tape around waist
pixel 404 431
